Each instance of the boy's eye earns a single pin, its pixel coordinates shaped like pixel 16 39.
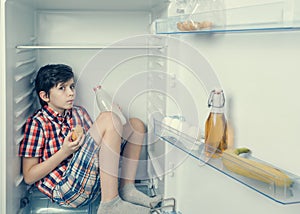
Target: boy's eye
pixel 72 86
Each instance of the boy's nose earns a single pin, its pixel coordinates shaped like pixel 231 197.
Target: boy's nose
pixel 71 92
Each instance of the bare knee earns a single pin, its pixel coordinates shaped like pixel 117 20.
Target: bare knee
pixel 137 125
pixel 108 122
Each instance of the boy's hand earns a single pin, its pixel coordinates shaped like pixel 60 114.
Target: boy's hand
pixel 69 146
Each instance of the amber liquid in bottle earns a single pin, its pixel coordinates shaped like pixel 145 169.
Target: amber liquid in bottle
pixel 216 137
pixel 215 134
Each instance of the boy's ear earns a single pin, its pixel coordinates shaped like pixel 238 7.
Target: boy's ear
pixel 43 95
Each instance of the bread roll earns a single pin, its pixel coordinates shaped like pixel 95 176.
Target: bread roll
pixel 204 25
pixel 180 26
pixel 190 25
pixel 76 132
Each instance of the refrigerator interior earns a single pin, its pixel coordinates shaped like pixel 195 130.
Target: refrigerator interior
pixel 74 33
pixel 107 42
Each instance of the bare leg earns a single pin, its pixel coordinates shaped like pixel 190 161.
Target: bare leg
pixel 133 132
pixel 106 131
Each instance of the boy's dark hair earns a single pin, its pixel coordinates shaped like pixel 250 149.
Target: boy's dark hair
pixel 50 76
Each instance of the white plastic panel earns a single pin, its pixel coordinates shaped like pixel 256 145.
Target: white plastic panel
pixel 20 67
pixel 89 27
pixel 103 29
pixel 2 111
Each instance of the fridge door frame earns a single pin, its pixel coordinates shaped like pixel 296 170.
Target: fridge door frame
pixel 2 110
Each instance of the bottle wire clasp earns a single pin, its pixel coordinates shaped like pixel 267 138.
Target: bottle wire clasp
pixel 211 98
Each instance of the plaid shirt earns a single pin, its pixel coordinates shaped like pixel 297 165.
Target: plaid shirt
pixel 44 135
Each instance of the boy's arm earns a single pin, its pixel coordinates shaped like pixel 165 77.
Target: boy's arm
pixel 34 171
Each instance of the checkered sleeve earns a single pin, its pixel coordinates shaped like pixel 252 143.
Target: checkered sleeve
pixel 82 117
pixel 87 119
pixel 33 142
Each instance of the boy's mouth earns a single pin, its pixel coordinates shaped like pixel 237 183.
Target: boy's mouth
pixel 70 101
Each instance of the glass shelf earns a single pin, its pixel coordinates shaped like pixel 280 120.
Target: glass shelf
pixel 288 194
pixel 274 16
pixel 87 47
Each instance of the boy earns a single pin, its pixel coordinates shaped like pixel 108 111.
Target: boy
pixel 72 173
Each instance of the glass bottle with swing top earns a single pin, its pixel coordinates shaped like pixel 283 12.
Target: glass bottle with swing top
pixel 216 125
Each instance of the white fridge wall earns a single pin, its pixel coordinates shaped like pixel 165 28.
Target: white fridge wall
pixel 2 111
pixel 259 73
pixel 20 29
pixel 95 28
pixel 91 27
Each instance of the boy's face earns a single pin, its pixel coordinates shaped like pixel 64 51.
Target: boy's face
pixel 61 97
